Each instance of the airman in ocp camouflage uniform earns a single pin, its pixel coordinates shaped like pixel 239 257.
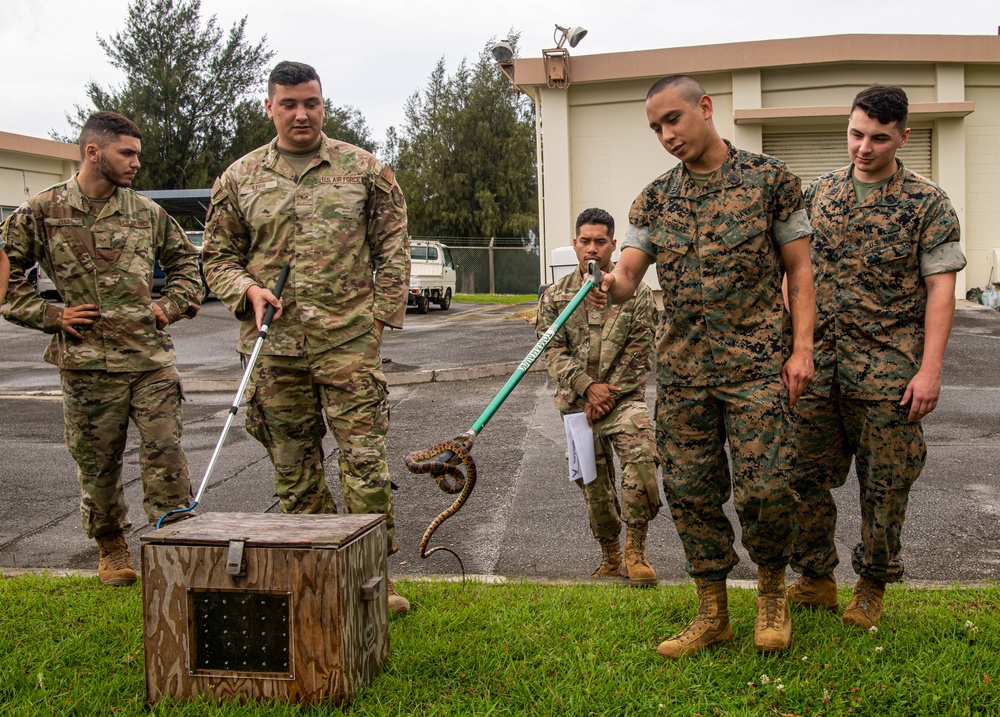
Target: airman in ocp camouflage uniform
pixel 600 361
pixel 335 215
pixel 97 240
pixel 886 250
pixel 722 228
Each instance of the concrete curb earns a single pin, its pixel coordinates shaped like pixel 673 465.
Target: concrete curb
pixel 490 579
pixel 403 378
pixel 192 385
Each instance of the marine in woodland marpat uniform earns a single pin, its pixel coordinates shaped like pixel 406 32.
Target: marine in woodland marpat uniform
pixel 97 241
pixel 600 361
pixel 886 251
pixel 335 215
pixel 722 228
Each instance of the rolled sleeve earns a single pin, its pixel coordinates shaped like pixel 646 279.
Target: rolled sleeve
pixel 942 259
pixel 638 238
pixel 795 227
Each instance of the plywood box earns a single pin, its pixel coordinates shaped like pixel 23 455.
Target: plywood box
pixel 253 607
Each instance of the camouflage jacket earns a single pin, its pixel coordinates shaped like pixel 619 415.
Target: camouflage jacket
pixel 342 228
pixel 613 345
pixel 105 260
pixel 717 258
pixel 869 261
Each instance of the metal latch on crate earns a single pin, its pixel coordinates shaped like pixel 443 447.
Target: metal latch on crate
pixel 235 564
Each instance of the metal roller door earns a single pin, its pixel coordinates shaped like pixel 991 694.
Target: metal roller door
pixel 810 154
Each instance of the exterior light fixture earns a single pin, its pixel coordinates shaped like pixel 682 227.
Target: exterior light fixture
pixel 557 59
pixel 572 34
pixel 503 52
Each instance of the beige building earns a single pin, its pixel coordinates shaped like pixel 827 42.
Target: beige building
pixel 29 164
pixel 788 98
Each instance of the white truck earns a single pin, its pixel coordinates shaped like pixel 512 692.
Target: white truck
pixel 432 275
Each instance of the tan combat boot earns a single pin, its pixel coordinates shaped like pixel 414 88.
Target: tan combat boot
pixel 635 566
pixel 710 627
pixel 773 630
pixel 116 564
pixel 398 605
pixel 611 559
pixel 820 592
pixel 865 608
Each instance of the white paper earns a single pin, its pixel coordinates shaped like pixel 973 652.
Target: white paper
pixel 580 442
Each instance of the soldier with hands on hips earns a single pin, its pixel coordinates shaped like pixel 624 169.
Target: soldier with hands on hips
pixel 722 228
pixel 600 362
pixel 97 240
pixel 335 214
pixel 885 251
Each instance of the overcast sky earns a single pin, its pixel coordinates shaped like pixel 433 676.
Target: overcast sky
pixel 375 54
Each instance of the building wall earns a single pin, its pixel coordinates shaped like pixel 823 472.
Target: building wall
pixel 22 176
pixel 982 216
pixel 29 164
pixel 607 152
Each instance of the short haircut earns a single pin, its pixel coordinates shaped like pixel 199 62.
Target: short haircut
pixel 885 103
pixel 596 216
pixel 103 128
pixel 289 74
pixel 688 87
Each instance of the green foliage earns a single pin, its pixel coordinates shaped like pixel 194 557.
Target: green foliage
pixel 495 298
pixel 465 157
pixel 187 87
pixel 71 646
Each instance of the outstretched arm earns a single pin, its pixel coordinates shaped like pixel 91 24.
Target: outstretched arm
pixel 621 283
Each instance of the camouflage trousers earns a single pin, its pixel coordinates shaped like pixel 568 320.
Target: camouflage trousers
pixel 287 401
pixel 97 406
pixel 889 454
pixel 692 426
pixel 629 432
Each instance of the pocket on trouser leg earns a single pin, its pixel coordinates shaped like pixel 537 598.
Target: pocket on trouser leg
pixel 79 439
pixel 254 421
pixel 641 501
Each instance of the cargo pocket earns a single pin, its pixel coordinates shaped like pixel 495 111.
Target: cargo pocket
pixel 788 449
pixel 79 435
pixel 255 424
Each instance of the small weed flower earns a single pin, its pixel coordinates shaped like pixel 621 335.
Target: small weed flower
pixel 779 687
pixel 765 680
pixel 805 657
pixel 873 629
pixel 826 696
pixel 878 649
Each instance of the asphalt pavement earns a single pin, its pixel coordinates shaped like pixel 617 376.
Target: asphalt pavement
pixel 524 519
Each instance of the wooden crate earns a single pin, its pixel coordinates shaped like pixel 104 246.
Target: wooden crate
pixel 252 607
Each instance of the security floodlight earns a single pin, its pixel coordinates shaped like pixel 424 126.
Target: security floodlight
pixel 573 35
pixel 503 52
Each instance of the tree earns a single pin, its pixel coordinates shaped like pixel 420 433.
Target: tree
pixel 466 154
pixel 188 86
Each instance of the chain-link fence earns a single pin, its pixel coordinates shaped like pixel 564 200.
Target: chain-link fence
pixel 494 265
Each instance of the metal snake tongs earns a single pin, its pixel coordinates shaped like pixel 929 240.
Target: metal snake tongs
pixel 445 458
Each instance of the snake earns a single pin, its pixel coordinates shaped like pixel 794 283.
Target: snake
pixel 447 473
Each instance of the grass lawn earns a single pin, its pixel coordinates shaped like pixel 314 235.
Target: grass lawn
pixel 71 646
pixel 495 298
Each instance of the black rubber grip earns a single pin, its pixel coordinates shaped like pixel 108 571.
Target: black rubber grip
pixel 278 288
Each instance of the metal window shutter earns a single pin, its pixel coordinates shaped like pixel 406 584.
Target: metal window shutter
pixel 810 154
